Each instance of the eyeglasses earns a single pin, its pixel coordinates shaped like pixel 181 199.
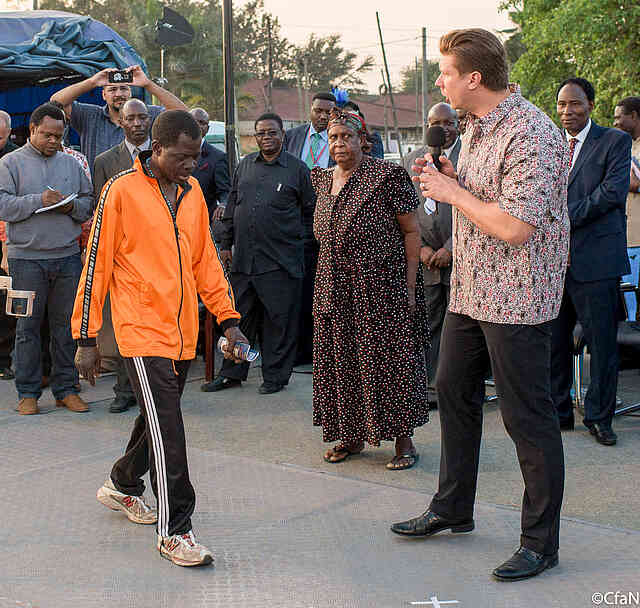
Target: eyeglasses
pixel 263 134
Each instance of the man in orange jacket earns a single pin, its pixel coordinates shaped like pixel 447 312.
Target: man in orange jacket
pixel 150 244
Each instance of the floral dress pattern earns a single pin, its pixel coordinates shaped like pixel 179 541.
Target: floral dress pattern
pixel 369 375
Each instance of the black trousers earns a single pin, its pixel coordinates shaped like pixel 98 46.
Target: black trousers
pixel 595 305
pixel 157 442
pixel 437 300
pixel 304 353
pixel 520 356
pixel 270 307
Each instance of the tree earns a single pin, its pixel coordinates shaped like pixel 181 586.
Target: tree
pixel 251 43
pixel 594 39
pixel 324 63
pixel 408 82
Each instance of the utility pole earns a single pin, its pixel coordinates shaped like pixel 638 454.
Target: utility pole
pixel 305 63
pixel 417 97
pixel 270 52
pixel 424 86
pixel 390 90
pixel 230 144
pixel 301 115
pixel 382 89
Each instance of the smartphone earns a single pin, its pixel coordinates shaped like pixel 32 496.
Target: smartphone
pixel 120 76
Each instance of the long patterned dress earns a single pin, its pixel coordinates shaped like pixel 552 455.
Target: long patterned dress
pixel 369 376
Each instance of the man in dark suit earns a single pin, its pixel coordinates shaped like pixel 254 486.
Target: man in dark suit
pixel 598 186
pixel 136 124
pixel 310 143
pixel 435 231
pixel 212 171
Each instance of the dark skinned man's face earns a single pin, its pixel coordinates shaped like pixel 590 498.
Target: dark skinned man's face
pixel 573 107
pixel 175 163
pixel 269 137
pixel 203 121
pixel 625 122
pixel 47 136
pixel 448 120
pixel 135 122
pixel 320 111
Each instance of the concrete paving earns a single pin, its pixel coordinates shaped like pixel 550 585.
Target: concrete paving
pixel 289 530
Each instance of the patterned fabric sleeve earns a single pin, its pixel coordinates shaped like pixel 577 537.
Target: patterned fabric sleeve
pixel 401 192
pixel 531 164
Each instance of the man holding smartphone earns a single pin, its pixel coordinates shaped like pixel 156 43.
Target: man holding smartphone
pixel 99 127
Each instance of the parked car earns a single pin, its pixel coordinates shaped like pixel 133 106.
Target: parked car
pixel 216 136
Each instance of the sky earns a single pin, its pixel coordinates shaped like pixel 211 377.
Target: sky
pixel 402 22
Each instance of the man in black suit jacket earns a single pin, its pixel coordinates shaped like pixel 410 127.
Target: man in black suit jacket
pixel 136 123
pixel 598 186
pixel 212 170
pixel 435 231
pixel 310 143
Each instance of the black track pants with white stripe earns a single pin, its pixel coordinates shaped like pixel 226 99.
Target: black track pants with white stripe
pixel 157 442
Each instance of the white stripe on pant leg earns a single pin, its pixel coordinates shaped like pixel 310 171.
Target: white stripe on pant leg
pixel 158 448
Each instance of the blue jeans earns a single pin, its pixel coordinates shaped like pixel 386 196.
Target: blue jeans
pixel 55 283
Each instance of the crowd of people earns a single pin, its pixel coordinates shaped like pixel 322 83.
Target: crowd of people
pixel 404 295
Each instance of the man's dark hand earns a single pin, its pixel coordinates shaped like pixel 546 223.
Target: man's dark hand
pixel 66 209
pixel 426 255
pixel 634 182
pixel 441 258
pixel 51 197
pixel 87 361
pixel 217 214
pixel 233 336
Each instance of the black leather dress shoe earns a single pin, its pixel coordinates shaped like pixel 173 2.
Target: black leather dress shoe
pixel 524 563
pixel 567 424
pixel 430 523
pixel 268 388
pixel 603 433
pixel 121 404
pixel 219 384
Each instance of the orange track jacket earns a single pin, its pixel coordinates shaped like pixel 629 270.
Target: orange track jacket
pixel 154 262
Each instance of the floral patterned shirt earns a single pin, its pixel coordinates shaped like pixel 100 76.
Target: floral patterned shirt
pixel 517 157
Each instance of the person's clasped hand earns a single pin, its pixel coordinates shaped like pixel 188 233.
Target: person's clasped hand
pixel 440 185
pixel 87 362
pixel 233 336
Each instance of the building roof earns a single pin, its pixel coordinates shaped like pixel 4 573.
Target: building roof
pixel 253 102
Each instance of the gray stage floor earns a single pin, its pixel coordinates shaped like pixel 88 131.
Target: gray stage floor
pixel 288 531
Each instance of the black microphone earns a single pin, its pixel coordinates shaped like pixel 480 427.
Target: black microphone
pixel 436 138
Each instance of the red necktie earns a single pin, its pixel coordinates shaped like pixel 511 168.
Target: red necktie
pixel 573 142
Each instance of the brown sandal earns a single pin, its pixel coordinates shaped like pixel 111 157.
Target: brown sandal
pixel 410 459
pixel 341 452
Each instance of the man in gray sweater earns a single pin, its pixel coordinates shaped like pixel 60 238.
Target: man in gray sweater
pixel 44 254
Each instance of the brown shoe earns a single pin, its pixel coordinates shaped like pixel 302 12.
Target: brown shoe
pixel 73 402
pixel 28 406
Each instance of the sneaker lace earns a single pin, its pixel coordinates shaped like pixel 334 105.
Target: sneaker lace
pixel 138 503
pixel 188 540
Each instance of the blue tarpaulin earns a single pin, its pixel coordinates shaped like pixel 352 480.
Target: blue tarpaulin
pixel 43 51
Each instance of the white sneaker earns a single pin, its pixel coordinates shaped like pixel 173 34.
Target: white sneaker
pixel 183 550
pixel 134 507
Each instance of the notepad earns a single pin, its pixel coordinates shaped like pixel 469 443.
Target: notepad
pixel 62 203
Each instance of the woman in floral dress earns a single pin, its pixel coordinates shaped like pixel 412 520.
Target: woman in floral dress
pixel 370 327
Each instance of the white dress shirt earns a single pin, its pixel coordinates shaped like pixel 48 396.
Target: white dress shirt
pixel 580 137
pixel 132 147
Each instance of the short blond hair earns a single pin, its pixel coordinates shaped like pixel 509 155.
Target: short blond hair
pixel 477 50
